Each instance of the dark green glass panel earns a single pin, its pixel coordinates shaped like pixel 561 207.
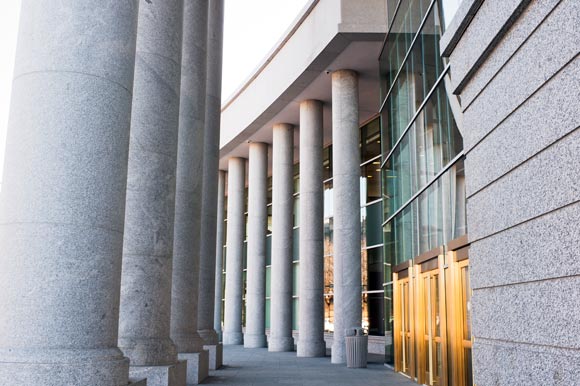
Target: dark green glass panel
pixel 268 281
pixel 267 309
pixel 372 217
pixel 295 244
pixel 295 313
pixel 269 250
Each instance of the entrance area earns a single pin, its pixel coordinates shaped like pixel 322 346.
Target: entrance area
pixel 432 318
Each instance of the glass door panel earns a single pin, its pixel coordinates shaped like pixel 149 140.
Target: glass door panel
pixel 431 346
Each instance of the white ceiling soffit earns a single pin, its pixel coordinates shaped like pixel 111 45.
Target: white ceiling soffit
pixel 329 35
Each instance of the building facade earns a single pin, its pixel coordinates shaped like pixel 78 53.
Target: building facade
pixel 406 168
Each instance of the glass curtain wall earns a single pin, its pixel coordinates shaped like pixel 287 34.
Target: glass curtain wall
pixel 422 165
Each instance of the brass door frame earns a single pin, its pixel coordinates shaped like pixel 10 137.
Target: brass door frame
pixel 457 342
pixel 448 267
pixel 427 339
pixel 399 322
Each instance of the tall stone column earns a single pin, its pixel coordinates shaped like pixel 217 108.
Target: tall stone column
pixel 188 193
pixel 219 253
pixel 209 189
pixel 255 334
pixel 234 251
pixel 145 310
pixel 63 198
pixel 347 238
pixel 311 307
pixel 282 223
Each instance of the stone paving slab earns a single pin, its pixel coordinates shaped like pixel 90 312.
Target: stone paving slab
pixel 258 367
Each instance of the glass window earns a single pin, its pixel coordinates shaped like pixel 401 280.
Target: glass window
pixel 370 140
pixel 268 281
pixel 245 255
pixel 328 233
pixel 374 268
pixel 269 249
pixel 417 77
pixel 267 307
pixel 327 163
pixel 370 182
pixel 371 225
pixel 295 313
pixel 296 211
pixel 296 178
pixel 295 244
pixel 391 7
pixel 431 143
pixel 434 218
pixel 401 34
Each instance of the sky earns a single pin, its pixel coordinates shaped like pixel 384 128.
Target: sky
pixel 251 29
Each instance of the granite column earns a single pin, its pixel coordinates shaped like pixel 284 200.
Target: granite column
pixel 219 253
pixel 209 188
pixel 63 196
pixel 255 334
pixel 347 237
pixel 234 251
pixel 311 270
pixel 145 311
pixel 185 283
pixel 282 223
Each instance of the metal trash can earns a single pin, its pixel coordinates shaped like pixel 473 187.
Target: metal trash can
pixel 357 343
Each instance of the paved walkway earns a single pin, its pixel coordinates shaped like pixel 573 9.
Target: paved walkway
pixel 249 367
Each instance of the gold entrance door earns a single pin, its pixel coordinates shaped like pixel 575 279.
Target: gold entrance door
pixel 431 355
pixel 461 342
pixel 404 322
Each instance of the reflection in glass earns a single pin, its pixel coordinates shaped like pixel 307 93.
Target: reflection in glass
pixel 436 217
pixel 431 143
pixel 401 34
pixel 417 77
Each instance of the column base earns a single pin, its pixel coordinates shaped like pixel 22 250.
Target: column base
pixel 197 366
pixel 255 341
pixel 216 355
pixel 233 338
pixel 338 353
pixel 99 367
pixel 281 344
pixel 311 349
pixel 210 337
pixel 137 382
pixel 170 375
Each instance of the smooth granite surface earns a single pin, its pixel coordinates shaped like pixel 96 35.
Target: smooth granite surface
pixel 347 235
pixel 255 333
pixel 311 247
pixel 544 53
pixel 282 224
pixel 145 309
pixel 207 262
pixel 185 281
pixel 219 253
pixel 63 194
pixel 236 230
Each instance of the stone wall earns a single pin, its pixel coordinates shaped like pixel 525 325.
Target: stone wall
pixel 516 68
